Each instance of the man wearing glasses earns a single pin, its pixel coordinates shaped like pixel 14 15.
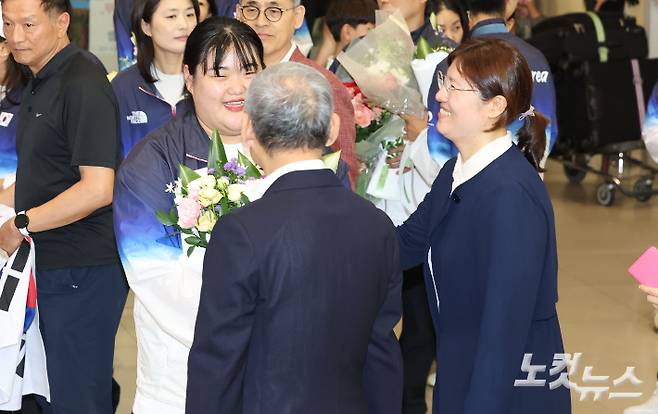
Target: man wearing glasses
pixel 275 21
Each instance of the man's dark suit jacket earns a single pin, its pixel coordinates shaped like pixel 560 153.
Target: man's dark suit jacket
pixel 301 290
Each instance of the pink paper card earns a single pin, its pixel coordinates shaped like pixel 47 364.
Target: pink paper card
pixel 645 269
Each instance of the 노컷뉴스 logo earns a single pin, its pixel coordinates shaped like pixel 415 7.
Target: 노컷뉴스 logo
pixel 565 367
pixel 137 117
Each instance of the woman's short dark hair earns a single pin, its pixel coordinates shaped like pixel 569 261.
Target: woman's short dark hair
pixel 143 10
pixel 456 7
pixel 214 37
pixel 494 67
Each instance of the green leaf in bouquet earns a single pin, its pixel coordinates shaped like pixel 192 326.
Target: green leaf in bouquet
pixel 193 240
pixel 423 49
pixel 251 169
pixel 190 250
pixel 217 153
pixel 244 199
pixel 331 160
pixel 225 205
pixel 167 219
pixel 203 236
pixel 187 175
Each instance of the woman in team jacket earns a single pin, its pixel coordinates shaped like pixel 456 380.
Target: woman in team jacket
pixel 486 234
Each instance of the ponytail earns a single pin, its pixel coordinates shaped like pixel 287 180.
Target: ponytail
pixel 532 139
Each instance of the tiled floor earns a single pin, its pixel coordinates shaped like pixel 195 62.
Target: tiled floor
pixel 603 314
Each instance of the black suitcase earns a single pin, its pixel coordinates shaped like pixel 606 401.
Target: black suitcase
pixel 597 104
pixel 574 37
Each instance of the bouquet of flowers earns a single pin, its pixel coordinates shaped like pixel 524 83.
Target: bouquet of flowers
pixel 380 63
pixel 202 196
pixel 369 118
pixel 377 130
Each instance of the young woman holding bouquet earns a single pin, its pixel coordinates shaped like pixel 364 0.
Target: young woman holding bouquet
pixel 486 236
pixel 221 57
pixel 151 91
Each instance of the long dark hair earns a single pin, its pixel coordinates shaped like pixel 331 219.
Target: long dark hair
pixel 143 10
pixel 217 36
pixel 495 68
pixel 455 6
pixel 16 78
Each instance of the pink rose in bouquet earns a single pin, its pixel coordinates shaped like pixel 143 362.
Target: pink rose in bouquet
pixel 194 189
pixel 188 212
pixel 363 115
pixel 368 118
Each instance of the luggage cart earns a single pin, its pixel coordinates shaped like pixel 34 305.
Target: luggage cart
pixel 601 75
pixel 615 160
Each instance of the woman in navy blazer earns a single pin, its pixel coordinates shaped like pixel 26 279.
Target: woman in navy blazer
pixel 487 236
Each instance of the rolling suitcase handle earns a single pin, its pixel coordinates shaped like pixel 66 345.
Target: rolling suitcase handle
pixel 600 36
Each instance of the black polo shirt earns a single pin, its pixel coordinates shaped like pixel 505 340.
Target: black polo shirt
pixel 68 118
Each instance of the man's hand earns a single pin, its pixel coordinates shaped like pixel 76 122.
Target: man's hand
pixel 395 156
pixel 10 237
pixel 652 295
pixel 414 125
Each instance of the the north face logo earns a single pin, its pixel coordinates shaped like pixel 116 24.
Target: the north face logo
pixel 137 117
pixel 5 118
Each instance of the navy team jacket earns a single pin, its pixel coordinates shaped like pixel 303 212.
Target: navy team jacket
pixel 491 287
pixel 141 107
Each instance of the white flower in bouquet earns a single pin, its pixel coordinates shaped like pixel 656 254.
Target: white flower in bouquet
pixel 235 192
pixel 209 195
pixel 208 182
pixel 206 222
pixel 223 183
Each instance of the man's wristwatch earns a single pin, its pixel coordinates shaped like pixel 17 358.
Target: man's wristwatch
pixel 21 221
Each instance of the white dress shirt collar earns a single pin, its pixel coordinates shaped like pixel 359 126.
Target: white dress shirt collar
pixel 288 55
pixel 264 184
pixel 464 171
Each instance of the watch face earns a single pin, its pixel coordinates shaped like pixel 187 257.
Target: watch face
pixel 21 221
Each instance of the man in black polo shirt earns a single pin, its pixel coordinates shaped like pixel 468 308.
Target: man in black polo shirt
pixel 68 150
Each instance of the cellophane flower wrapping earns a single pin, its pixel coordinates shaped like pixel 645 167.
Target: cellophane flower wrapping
pixel 380 64
pixel 371 150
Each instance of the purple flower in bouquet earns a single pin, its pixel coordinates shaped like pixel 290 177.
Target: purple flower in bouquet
pixel 234 167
